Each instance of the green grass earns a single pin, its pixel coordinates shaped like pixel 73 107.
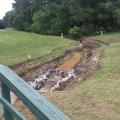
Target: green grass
pixel 15 46
pixel 97 98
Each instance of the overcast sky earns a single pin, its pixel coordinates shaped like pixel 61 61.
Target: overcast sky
pixel 5 5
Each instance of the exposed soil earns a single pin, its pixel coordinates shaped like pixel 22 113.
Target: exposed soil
pixel 31 70
pixel 84 61
pixel 70 63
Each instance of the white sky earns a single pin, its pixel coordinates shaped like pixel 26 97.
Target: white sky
pixel 5 5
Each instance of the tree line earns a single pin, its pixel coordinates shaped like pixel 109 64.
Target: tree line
pixel 53 17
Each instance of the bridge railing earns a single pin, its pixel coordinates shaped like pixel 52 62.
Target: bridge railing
pixel 39 105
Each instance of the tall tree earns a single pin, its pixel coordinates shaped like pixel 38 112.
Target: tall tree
pixel 56 16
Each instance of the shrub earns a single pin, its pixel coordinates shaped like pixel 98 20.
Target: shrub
pixel 101 29
pixel 75 32
pixel 97 33
pixel 109 29
pixel 27 26
pixel 85 32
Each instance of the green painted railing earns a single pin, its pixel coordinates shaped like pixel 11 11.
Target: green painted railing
pixel 39 105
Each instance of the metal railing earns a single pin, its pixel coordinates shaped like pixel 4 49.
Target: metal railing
pixel 39 105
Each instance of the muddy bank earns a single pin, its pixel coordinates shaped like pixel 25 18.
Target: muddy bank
pixel 30 70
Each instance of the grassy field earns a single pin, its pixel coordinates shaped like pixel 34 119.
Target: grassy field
pixel 97 98
pixel 15 46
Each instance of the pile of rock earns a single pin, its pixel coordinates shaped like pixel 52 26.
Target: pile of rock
pixel 62 83
pixel 64 78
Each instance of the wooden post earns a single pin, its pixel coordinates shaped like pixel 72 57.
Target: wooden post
pixel 6 95
pixel 101 33
pixel 61 35
pixel 29 57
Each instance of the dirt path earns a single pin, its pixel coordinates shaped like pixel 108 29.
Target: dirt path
pixel 69 64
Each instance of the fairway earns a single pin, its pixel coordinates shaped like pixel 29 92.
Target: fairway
pixel 15 46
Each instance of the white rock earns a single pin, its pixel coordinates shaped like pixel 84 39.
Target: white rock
pixel 44 77
pixel 33 85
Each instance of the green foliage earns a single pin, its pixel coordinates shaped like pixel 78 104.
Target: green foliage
pixel 97 33
pixel 18 22
pixel 43 19
pixel 9 18
pixel 75 32
pixel 55 17
pixel 48 20
pixel 117 15
pixel 101 29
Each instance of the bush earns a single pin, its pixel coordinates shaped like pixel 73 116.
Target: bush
pixel 27 27
pixel 109 29
pixel 101 29
pixel 97 33
pixel 75 32
pixel 85 32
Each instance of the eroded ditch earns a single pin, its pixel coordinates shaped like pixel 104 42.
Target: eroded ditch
pixel 81 63
pixel 72 67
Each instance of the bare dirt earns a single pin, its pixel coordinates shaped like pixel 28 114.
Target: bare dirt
pixel 84 61
pixel 69 64
pixel 31 70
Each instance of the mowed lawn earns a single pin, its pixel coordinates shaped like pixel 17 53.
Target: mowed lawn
pixel 15 46
pixel 98 97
